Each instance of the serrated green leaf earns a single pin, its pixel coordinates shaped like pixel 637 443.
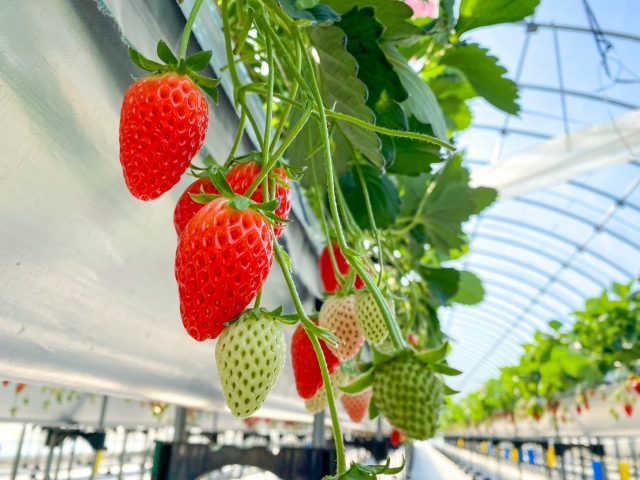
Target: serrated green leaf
pixel 446 369
pixel 442 282
pixel 373 411
pixel 199 61
pixel 470 289
pixel 320 14
pixel 452 91
pixel 393 14
pixel 362 383
pixel 342 88
pixel 386 91
pixel 383 195
pixel 448 390
pixel 483 197
pixel 555 325
pixel 414 157
pixel 433 356
pixel 165 54
pixel 481 13
pixel 484 74
pixel 421 102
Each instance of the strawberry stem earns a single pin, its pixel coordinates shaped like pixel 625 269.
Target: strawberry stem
pixel 187 29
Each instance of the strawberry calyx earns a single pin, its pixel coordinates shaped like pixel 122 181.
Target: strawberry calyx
pixel 183 66
pixel 358 471
pixel 263 313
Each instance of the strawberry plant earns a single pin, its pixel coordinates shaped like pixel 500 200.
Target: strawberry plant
pixel 362 103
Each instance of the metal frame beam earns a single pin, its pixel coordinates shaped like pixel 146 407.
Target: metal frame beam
pixel 573 93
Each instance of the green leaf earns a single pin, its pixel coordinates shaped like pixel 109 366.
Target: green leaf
pixel 220 182
pixel 448 390
pixel 362 383
pixel 383 84
pixel 442 282
pixel 555 325
pixel 484 74
pixel 321 14
pixel 342 88
pixel 383 195
pixel 373 410
pixel 165 54
pixel 199 61
pixel 143 62
pixel 413 189
pixel 480 13
pixel 452 91
pixel 483 197
pixel 393 14
pixel 414 157
pixel 421 102
pixel 446 369
pixel 470 289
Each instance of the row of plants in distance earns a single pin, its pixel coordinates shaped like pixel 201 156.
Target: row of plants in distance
pixel 602 346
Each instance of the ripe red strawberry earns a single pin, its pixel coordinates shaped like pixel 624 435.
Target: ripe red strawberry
pixel 306 369
pixel 578 409
pixel 242 175
pixel 186 207
pixel 222 260
pixel 635 384
pixel 326 270
pixel 628 408
pixel 338 315
pixel 163 123
pixel 20 387
pixel 5 383
pixel 357 405
pixel 395 438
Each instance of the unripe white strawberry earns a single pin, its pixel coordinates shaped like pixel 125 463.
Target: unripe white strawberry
pixel 250 355
pixel 338 315
pixel 319 401
pixel 370 317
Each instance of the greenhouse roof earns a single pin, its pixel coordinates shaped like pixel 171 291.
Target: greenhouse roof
pixel 542 252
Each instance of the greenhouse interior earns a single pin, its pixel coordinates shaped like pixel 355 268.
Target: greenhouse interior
pixel 323 239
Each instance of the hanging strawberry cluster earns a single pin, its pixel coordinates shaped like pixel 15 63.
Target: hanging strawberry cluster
pixel 341 135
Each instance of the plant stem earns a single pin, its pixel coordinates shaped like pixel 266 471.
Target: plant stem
pixel 256 303
pixel 372 220
pixel 227 43
pixel 187 29
pixel 350 255
pixel 267 124
pixel 287 109
pixel 318 350
pixel 242 37
pixel 238 139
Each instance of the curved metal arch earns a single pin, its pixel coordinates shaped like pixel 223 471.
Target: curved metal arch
pixel 573 93
pixel 542 231
pixel 536 25
pixel 480 251
pixel 502 358
pixel 507 130
pixel 604 194
pixel 488 368
pixel 594 226
pixel 499 272
pixel 508 288
pixel 486 321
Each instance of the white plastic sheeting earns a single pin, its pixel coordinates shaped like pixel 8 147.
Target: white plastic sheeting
pixel 564 158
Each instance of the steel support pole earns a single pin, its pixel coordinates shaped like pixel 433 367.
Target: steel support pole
pixel 16 460
pixel 147 444
pixel 97 455
pixel 58 460
pixel 180 425
pixel 52 445
pixel 71 457
pixel 319 430
pixel 122 453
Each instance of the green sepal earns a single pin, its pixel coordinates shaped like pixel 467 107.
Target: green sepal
pixel 166 55
pixel 279 180
pixel 362 383
pixel 211 91
pixel 368 472
pixel 238 202
pixel 251 156
pixel 294 172
pixel 448 390
pixel 143 62
pixel 323 333
pixel 269 206
pixel 209 161
pixel 199 61
pixel 445 369
pixel 275 220
pixel 204 197
pixel 373 410
pixel 431 357
pixel 381 357
pixel 220 182
pixel 182 67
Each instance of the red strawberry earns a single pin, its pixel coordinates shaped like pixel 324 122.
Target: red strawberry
pixel 395 438
pixel 326 270
pixel 628 408
pixel 163 123
pixel 578 409
pixel 222 260
pixel 242 175
pixel 20 387
pixel 635 383
pixel 5 383
pixel 306 369
pixel 412 339
pixel 186 207
pixel 357 405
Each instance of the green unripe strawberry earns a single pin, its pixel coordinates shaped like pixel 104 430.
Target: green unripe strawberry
pixel 410 395
pixel 250 355
pixel 319 401
pixel 370 318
